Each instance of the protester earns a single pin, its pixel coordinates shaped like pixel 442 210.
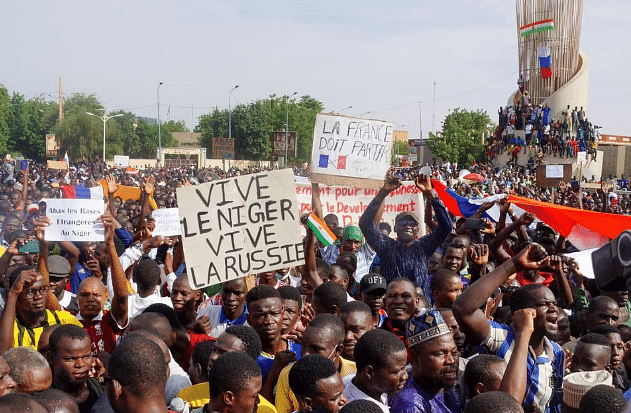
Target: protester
pixel 317 385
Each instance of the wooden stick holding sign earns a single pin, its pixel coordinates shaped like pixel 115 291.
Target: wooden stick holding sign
pixel 239 226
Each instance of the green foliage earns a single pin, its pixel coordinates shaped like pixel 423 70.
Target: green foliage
pixel 461 138
pixel 252 124
pixel 175 126
pixel 398 148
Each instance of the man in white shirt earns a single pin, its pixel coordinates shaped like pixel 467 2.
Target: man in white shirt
pixel 380 357
pixel 147 278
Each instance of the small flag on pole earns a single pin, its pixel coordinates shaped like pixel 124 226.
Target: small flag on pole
pixel 67 159
pixel 321 230
pixel 536 27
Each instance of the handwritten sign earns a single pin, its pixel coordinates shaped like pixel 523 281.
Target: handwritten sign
pixel 167 221
pixel 74 220
pixel 239 226
pixel 278 139
pixel 61 165
pixel 121 160
pixel 222 148
pixel 349 203
pixel 554 171
pixel 350 151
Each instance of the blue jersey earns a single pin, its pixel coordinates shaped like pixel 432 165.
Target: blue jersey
pixel 544 385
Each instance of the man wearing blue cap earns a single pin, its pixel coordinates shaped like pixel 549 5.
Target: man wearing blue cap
pixel 434 356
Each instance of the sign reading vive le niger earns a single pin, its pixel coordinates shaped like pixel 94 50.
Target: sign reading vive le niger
pixel 239 226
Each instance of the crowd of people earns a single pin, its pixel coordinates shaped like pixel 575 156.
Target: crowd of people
pixel 542 134
pixel 382 320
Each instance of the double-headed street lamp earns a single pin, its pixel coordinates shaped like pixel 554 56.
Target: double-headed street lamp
pixel 104 118
pixel 287 122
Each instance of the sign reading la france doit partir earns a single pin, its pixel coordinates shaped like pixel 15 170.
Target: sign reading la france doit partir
pixel 350 151
pixel 239 226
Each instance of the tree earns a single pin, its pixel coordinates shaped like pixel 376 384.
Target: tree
pixel 398 148
pixel 252 124
pixel 461 139
pixel 175 126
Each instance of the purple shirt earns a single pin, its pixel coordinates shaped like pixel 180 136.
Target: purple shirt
pixel 413 399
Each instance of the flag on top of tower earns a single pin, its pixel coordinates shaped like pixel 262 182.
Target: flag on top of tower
pixel 545 61
pixel 536 27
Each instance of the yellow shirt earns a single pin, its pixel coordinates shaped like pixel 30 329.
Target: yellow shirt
pixel 199 394
pixel 286 401
pixel 29 337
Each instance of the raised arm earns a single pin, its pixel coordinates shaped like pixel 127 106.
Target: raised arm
pixel 316 202
pixel 39 227
pixel 24 280
pixel 514 380
pixel 374 237
pixel 311 274
pixel 119 282
pixel 22 203
pixel 112 187
pixel 466 308
pixel 445 224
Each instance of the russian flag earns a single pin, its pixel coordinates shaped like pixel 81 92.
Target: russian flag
pixel 82 192
pixel 545 61
pixel 459 205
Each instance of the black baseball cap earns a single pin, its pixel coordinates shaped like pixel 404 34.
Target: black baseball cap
pixel 371 282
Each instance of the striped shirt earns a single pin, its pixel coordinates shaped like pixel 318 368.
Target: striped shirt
pixel 544 384
pixel 24 336
pixel 364 256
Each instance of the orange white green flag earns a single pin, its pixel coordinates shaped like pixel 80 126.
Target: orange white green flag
pixel 321 230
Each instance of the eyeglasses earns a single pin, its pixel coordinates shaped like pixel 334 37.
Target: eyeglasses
pixel 30 293
pixel 412 224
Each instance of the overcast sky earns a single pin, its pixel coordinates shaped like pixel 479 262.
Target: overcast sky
pixel 376 56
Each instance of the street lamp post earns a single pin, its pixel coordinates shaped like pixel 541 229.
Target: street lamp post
pixel 230 113
pixel 365 113
pixel 104 118
pixel 348 107
pixel 159 131
pixel 287 122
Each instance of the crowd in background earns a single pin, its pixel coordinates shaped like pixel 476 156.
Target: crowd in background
pixel 382 320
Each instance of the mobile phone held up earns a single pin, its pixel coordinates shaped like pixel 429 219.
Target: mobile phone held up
pixel 474 224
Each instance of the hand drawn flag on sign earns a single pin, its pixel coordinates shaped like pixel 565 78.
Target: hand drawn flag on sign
pixel 536 27
pixel 321 230
pixel 324 161
pixel 341 162
pixel 82 192
pixel 545 61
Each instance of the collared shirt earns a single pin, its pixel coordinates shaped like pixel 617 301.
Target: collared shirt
pixel 398 260
pixel 286 401
pixel 365 256
pixel 137 304
pixel 265 360
pixel 545 372
pixel 105 333
pixel 414 399
pixel 219 321
pixel 353 393
pixel 29 337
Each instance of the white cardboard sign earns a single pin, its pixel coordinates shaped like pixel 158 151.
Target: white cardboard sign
pixel 74 220
pixel 239 226
pixel 351 147
pixel 167 221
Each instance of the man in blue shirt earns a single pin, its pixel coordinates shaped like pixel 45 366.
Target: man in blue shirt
pixel 407 256
pixel 546 359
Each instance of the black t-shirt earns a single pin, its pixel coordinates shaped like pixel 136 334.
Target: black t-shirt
pixel 96 390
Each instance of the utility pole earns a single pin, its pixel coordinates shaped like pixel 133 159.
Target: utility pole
pixel 434 112
pixel 61 99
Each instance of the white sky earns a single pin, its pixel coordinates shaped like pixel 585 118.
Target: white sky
pixel 376 56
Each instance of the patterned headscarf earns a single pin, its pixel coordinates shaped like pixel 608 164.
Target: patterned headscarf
pixel 426 326
pixel 352 232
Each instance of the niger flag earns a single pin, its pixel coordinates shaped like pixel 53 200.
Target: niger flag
pixel 584 229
